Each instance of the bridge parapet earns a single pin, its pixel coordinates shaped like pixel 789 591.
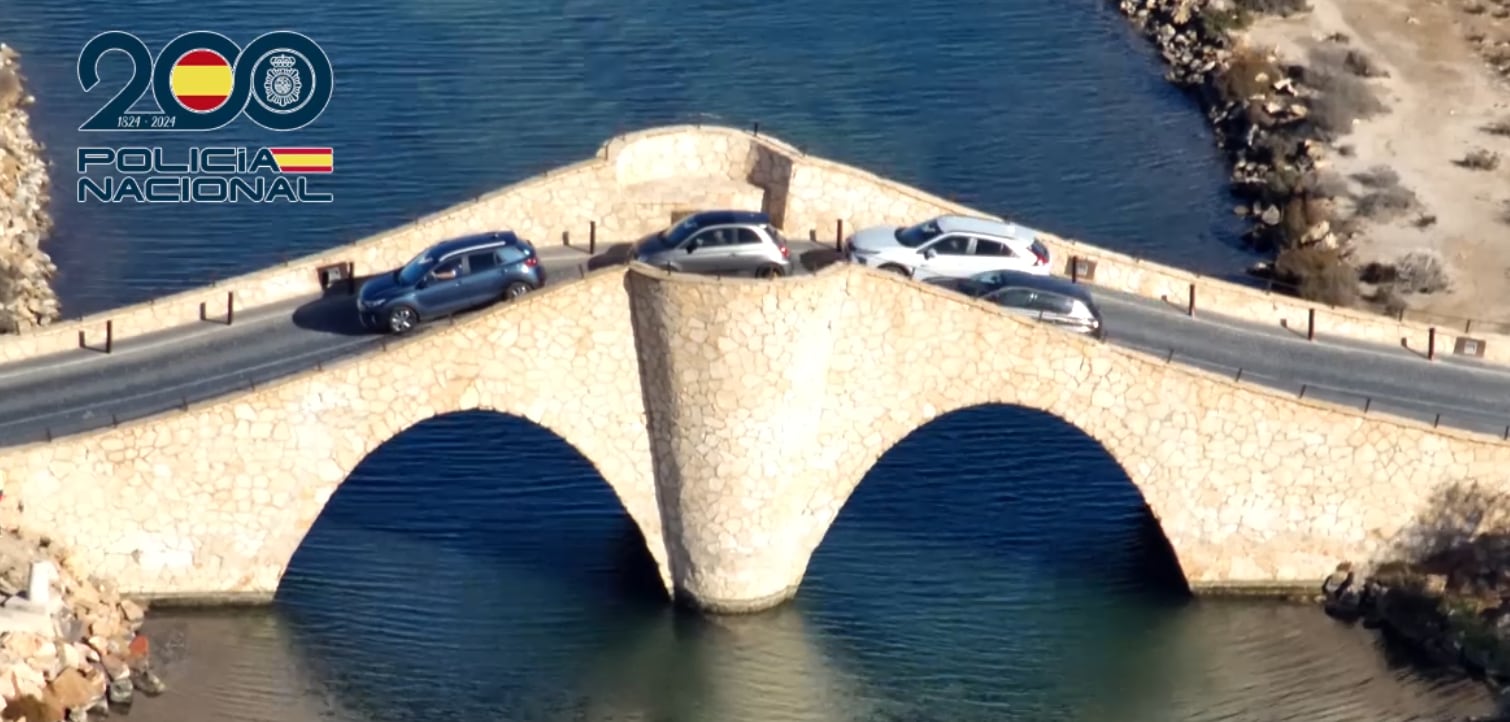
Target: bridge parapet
pixel 804 193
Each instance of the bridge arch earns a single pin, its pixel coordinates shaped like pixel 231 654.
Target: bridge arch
pixel 515 451
pixel 212 500
pixel 1027 453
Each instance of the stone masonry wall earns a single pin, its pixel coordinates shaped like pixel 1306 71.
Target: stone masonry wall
pixel 215 499
pixel 733 418
pixel 637 181
pixel 1251 486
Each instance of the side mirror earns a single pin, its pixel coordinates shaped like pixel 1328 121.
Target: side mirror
pixel 692 246
pixel 929 253
pixel 423 282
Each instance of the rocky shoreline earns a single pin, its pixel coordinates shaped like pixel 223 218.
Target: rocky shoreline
pixel 1451 611
pixel 27 299
pixel 1276 122
pixel 70 646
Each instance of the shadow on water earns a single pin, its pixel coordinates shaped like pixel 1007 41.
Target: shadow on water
pixel 1009 555
pixel 472 541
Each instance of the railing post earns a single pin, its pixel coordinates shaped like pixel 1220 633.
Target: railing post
pixel 82 344
pixel 1191 310
pixel 1074 269
pixel 757 128
pixel 1311 324
pixel 839 235
pixel 812 235
pixel 351 278
pixel 592 231
pixel 1431 344
pixel 109 335
pixel 230 307
pixel 566 238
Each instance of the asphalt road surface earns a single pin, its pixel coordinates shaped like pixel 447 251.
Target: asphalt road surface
pixel 82 390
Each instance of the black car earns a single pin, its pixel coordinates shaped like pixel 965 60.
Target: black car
pixel 1046 298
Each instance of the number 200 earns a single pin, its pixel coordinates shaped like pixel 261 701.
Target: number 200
pixel 244 63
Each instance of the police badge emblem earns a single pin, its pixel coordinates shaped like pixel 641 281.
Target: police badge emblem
pixel 282 85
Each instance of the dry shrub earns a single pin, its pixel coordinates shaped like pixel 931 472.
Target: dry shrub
pixel 1319 274
pixel 1379 176
pixel 1387 204
pixel 1343 95
pixel 1421 272
pixel 1362 65
pixel 1389 300
pixel 1499 127
pixel 1474 7
pixel 1328 184
pixel 1300 214
pixel 1479 159
pixel 1249 72
pixel 1282 8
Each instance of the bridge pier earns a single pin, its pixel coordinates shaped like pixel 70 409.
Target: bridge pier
pixel 734 375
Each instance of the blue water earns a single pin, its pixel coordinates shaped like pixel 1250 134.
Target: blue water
pixel 1054 113
pixel 995 566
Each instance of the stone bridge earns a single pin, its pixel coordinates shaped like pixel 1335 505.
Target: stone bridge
pixel 733 419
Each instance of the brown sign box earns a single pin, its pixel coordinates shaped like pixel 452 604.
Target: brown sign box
pixel 1469 347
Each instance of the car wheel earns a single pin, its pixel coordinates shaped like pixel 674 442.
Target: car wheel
pixel 899 270
pixel 515 290
pixel 402 319
pixel 769 272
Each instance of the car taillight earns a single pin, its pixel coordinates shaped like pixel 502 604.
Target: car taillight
pixel 786 252
pixel 532 261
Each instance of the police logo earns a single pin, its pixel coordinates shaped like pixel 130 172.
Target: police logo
pixel 282 85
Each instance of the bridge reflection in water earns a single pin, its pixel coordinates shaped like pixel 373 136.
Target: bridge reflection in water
pixel 994 565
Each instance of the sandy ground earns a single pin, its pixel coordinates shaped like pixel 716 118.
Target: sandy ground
pixel 1442 91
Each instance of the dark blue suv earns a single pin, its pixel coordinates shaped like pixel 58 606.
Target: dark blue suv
pixel 451 276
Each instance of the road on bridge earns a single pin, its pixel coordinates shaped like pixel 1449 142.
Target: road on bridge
pixel 81 390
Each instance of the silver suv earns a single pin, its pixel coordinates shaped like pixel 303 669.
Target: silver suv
pixel 723 243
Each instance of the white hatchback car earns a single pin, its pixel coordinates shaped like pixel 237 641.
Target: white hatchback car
pixel 950 247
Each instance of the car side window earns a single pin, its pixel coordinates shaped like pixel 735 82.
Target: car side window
pixel 509 255
pixel 985 247
pixel 1052 303
pixel 449 269
pixel 1013 297
pixel 952 246
pixel 744 236
pixel 715 237
pixel 478 262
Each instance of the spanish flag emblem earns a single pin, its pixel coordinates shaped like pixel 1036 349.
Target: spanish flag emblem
pixel 304 160
pixel 201 80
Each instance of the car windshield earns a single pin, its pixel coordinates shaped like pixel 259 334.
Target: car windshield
pixel 914 236
pixel 674 236
pixel 414 270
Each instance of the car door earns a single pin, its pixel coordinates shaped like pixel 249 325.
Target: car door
pixel 991 255
pixel 947 256
pixel 443 292
pixel 706 251
pixel 484 281
pixel 746 251
pixel 1017 300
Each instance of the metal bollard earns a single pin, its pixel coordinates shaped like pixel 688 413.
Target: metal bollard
pixel 1074 269
pixel 109 335
pixel 1431 344
pixel 1311 324
pixel 230 307
pixel 839 235
pixel 592 232
pixel 1191 310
